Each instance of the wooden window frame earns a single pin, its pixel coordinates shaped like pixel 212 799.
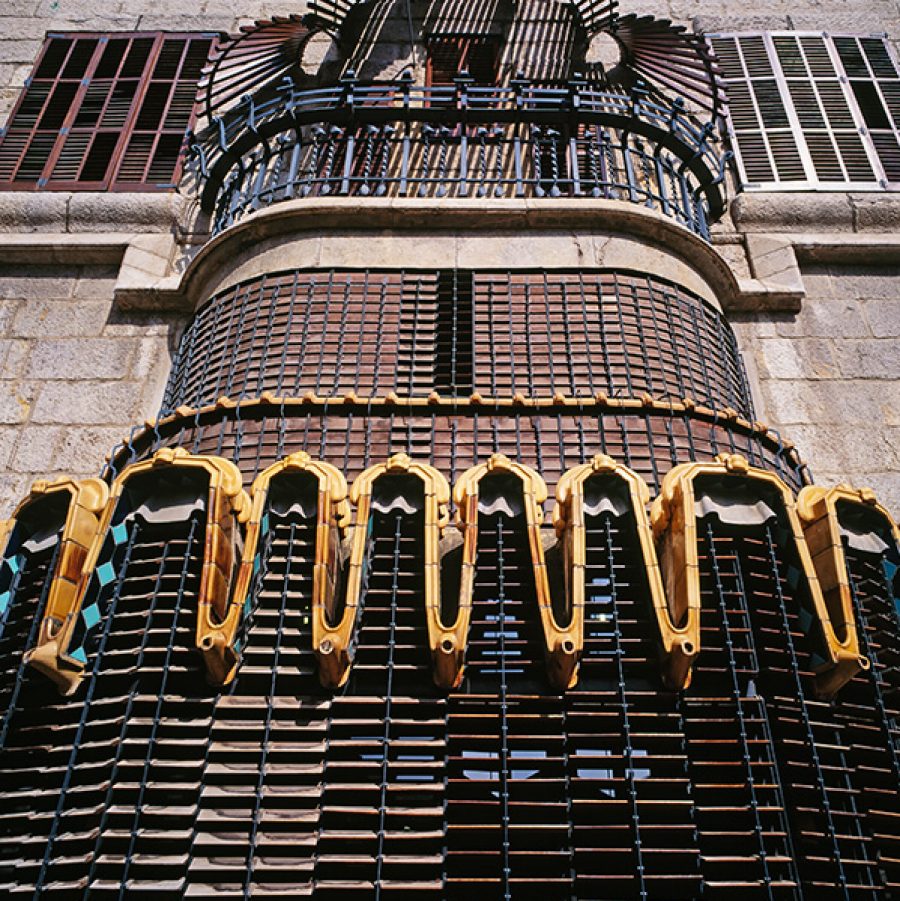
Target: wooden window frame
pixel 112 180
pixel 811 179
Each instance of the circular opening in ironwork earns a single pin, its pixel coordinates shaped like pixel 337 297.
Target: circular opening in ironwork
pixel 603 49
pixel 319 50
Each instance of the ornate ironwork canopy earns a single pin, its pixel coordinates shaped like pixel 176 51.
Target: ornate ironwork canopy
pixel 665 55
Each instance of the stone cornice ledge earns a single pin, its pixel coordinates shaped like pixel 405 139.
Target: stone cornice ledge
pixel 143 284
pixel 42 248
pixel 85 212
pixel 816 212
pixel 869 249
pixel 157 272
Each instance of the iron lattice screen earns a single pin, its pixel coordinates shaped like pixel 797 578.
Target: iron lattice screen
pixel 742 786
pixel 553 439
pixel 458 332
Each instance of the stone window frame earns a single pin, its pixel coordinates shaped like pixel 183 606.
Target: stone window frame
pixel 104 111
pixel 801 117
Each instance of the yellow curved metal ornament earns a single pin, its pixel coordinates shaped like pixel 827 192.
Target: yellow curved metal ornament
pixel 227 504
pixel 674 521
pixel 86 502
pixel 216 636
pixel 333 643
pixel 89 500
pixel 562 646
pixel 819 510
pixel 678 628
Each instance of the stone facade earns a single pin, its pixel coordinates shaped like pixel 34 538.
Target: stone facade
pixel 79 368
pixel 828 376
pixel 77 372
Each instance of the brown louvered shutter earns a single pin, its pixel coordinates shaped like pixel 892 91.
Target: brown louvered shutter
pixel 104 111
pixel 812 110
pixel 448 56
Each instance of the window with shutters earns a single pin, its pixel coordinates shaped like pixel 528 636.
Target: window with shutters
pixel 449 55
pixel 104 112
pixel 812 110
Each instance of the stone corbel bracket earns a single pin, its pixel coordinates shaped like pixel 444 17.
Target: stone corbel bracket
pixel 85 501
pixel 562 645
pixel 820 512
pixel 678 628
pixel 333 644
pixel 227 505
pixel 674 521
pixel 776 283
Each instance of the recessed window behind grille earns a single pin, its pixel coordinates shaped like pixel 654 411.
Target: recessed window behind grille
pixel 453 350
pixel 812 110
pixel 448 56
pixel 104 111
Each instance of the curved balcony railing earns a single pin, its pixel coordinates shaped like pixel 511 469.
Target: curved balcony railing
pixel 397 139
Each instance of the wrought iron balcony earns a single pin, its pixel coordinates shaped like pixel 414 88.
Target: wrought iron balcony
pixel 398 139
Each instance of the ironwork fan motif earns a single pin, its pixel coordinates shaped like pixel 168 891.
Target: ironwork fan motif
pixel 671 58
pixel 262 53
pixel 656 52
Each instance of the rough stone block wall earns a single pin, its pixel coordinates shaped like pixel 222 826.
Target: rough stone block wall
pixel 829 377
pixel 75 373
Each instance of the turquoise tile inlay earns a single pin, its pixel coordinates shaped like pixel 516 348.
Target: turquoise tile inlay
pixel 91 616
pixel 4 602
pixel 79 655
pixel 15 563
pixel 890 570
pixel 106 573
pixel 119 534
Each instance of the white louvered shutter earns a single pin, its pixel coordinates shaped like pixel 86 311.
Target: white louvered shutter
pixel 812 110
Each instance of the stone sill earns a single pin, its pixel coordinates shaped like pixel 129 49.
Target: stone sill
pixel 91 212
pixel 816 212
pixel 147 212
